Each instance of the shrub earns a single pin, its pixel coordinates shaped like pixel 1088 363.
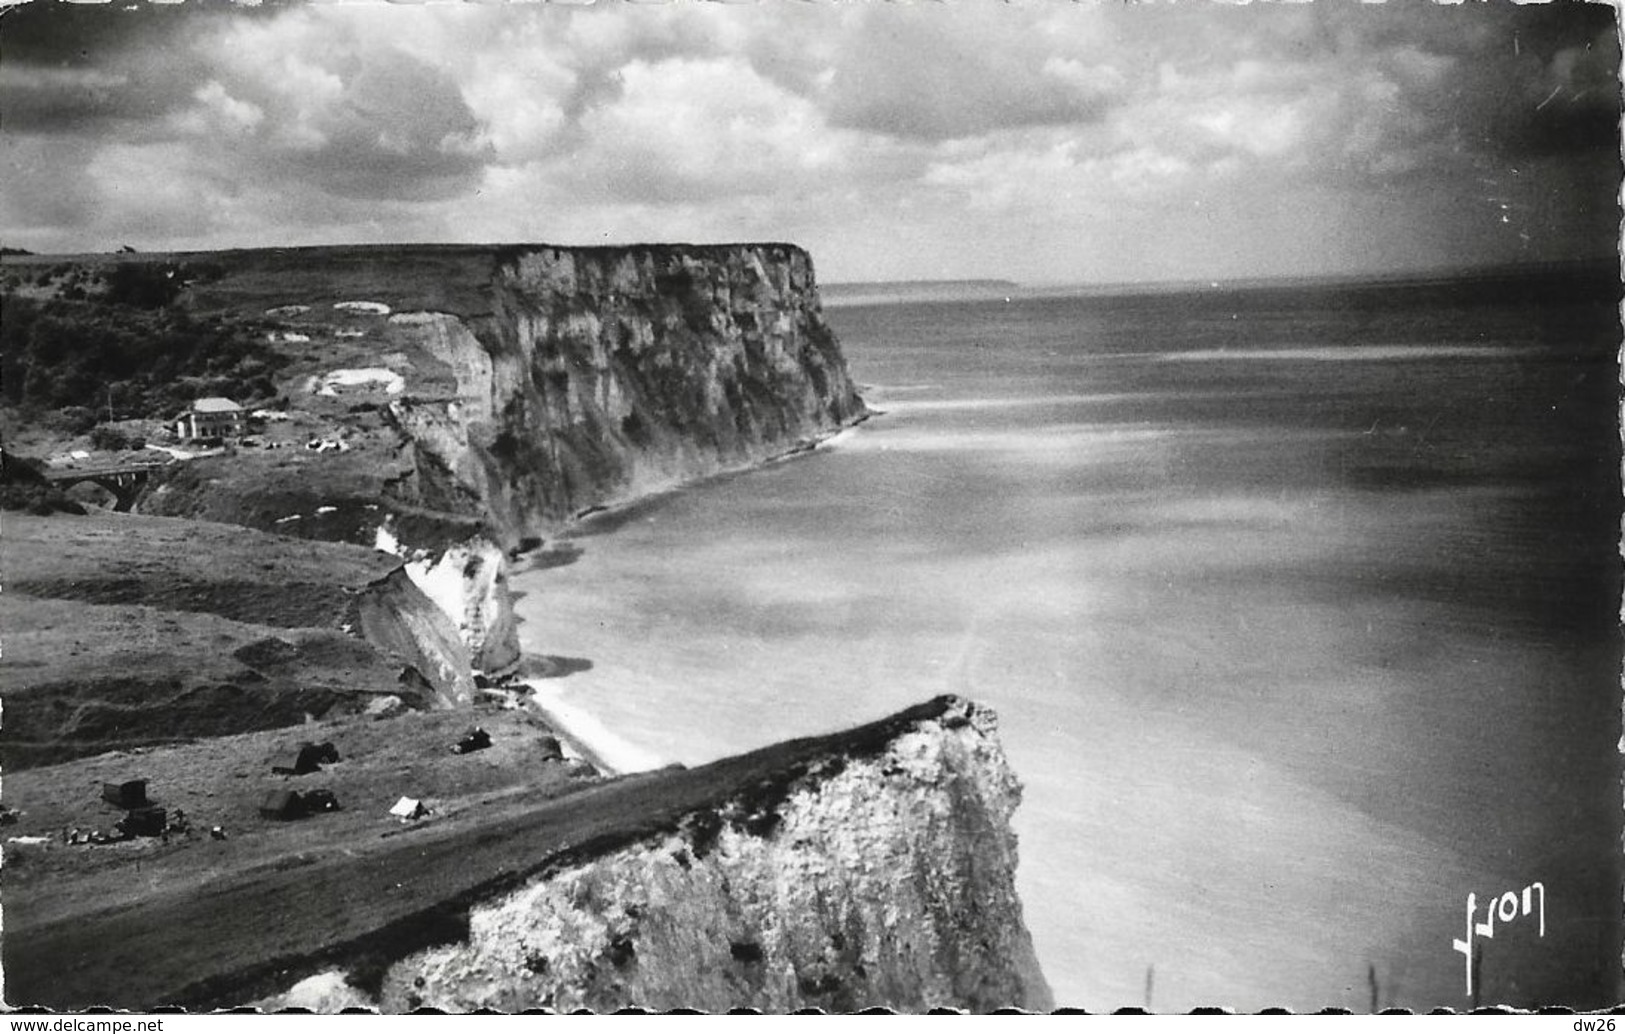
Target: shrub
pixel 23 487
pixel 147 362
pixel 143 285
pixel 75 419
pixel 110 439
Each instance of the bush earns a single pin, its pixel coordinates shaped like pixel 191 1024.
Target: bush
pixel 143 285
pixel 146 362
pixel 110 439
pixel 75 419
pixel 23 487
pixel 40 500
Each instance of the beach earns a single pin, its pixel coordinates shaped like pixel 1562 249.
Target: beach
pixel 584 736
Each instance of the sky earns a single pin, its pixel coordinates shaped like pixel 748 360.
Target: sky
pixel 1044 142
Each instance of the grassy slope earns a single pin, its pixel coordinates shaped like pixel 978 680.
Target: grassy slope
pixel 217 928
pixel 447 278
pixel 125 630
pixel 439 277
pixel 162 603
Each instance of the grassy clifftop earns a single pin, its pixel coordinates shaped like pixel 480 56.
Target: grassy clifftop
pixel 916 904
pixel 126 631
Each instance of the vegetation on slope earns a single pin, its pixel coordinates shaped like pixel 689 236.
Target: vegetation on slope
pixel 114 344
pixel 126 631
pixel 24 487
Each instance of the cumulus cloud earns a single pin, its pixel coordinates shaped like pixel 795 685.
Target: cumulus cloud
pixel 330 108
pixel 683 129
pixel 908 71
pixel 907 125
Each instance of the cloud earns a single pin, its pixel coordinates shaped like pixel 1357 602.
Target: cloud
pixel 686 129
pixel 1570 104
pixel 909 71
pixel 329 108
pixel 112 70
pixel 47 190
pixel 901 126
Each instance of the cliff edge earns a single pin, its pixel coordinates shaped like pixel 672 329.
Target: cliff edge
pixel 454 403
pixel 605 374
pixel 510 388
pixel 846 880
pixel 872 867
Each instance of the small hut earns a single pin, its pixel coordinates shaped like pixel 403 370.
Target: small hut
pixel 309 758
pixel 476 739
pixel 282 805
pixel 132 793
pixel 143 822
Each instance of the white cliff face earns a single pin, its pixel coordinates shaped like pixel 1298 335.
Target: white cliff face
pixel 604 374
pixel 449 340
pixel 398 617
pixel 881 880
pixel 469 582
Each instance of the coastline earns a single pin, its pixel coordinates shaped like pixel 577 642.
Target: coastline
pixel 581 732
pixel 584 736
pixel 606 517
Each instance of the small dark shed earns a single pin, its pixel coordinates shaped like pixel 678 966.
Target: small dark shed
pixel 282 804
pixel 132 793
pixel 142 822
pixel 550 749
pixel 477 739
pixel 293 765
pixel 309 758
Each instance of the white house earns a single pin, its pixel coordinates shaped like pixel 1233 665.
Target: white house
pixel 211 418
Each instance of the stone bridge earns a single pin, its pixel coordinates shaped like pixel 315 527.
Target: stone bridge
pixel 125 482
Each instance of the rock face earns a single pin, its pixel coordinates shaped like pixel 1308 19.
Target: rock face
pixel 398 617
pixel 604 374
pixel 554 381
pixel 469 583
pixel 876 869
pixel 131 631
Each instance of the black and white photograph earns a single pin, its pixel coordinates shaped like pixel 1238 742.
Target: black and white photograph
pixel 908 505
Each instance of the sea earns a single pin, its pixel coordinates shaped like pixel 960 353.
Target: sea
pixel 1298 603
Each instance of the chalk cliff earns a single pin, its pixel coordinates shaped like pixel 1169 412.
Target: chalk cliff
pixel 540 383
pixel 396 616
pixel 604 374
pixel 870 868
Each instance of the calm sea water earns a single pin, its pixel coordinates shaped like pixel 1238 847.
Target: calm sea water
pixel 1297 606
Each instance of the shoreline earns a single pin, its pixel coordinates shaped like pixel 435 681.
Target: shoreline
pixel 578 730
pixel 606 517
pixel 585 736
